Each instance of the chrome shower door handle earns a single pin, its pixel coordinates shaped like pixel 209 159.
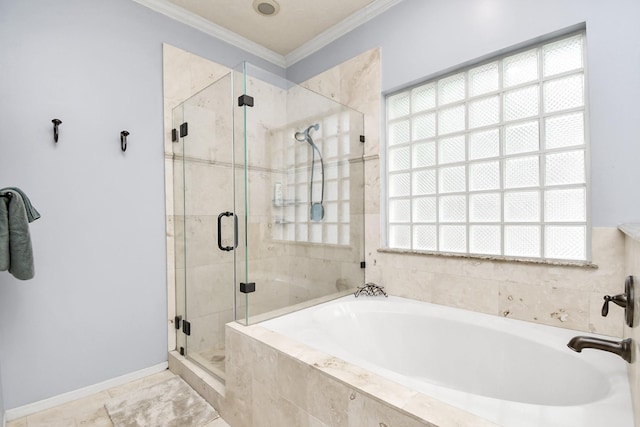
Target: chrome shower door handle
pixel 235 231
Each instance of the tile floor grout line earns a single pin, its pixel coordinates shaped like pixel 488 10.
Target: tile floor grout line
pixel 92 408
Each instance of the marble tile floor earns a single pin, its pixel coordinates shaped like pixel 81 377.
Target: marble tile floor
pixel 90 411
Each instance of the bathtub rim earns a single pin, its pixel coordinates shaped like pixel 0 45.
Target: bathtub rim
pixel 340 368
pixel 411 403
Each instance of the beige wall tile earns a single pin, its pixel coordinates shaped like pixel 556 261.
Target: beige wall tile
pixel 439 414
pixel 239 384
pixel 550 306
pixel 367 383
pixel 328 400
pixel 372 185
pixel 563 296
pixel 464 292
pixel 210 289
pixel 364 411
pixel 292 379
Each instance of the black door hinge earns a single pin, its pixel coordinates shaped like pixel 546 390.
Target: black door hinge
pixel 186 327
pixel 361 138
pixel 184 129
pixel 363 264
pixel 181 351
pixel 247 288
pixel 245 100
pixel 174 135
pixel 176 321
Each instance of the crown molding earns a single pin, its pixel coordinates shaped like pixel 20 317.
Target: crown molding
pixel 191 19
pixel 348 24
pixel 340 29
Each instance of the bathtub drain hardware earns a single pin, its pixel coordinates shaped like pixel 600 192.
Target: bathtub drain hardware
pixel 370 289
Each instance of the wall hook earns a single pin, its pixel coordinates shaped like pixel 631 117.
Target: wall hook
pixel 123 140
pixel 56 123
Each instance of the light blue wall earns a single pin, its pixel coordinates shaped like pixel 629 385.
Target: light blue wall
pixel 421 38
pixel 97 307
pixel 1 391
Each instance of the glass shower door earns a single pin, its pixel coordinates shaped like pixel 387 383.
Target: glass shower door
pixel 299 189
pixel 205 223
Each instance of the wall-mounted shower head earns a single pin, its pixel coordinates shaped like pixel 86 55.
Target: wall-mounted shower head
pixel 306 134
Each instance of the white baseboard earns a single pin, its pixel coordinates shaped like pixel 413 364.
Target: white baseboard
pixel 32 408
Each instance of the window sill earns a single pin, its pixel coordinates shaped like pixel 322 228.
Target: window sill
pixel 578 264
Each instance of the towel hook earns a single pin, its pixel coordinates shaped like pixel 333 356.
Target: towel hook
pixel 56 123
pixel 123 140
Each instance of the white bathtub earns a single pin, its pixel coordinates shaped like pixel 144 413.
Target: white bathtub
pixel 514 373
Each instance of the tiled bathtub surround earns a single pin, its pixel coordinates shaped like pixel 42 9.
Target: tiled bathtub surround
pixel 564 296
pixel 273 380
pixel 632 258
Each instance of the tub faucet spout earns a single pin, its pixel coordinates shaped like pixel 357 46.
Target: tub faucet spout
pixel 621 348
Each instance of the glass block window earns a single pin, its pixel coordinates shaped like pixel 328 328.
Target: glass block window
pixel 491 160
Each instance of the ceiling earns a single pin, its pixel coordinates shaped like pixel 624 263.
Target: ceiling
pixel 299 28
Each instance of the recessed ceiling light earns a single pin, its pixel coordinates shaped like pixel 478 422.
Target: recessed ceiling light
pixel 266 7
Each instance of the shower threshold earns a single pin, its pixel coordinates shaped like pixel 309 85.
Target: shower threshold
pixel 211 359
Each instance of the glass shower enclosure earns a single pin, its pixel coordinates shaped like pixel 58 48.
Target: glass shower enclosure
pixel 269 205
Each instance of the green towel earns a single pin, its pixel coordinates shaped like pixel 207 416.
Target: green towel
pixel 5 259
pixel 20 253
pixel 32 213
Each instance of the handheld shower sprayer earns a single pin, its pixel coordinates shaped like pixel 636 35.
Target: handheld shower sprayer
pixel 306 135
pixel 317 209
